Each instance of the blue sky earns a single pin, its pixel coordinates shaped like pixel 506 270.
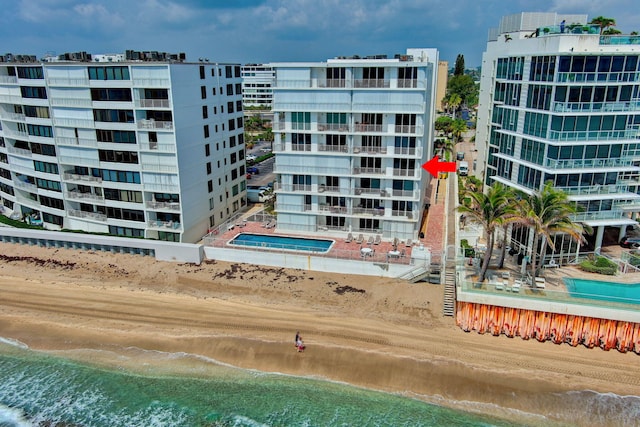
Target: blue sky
pixel 247 31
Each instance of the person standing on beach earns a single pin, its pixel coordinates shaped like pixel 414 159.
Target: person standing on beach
pixel 295 342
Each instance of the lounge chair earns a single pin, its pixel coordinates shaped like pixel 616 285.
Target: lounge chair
pixel 540 282
pixel 370 240
pixel 360 239
pixel 516 285
pixel 349 238
pixel 409 243
pixel 377 240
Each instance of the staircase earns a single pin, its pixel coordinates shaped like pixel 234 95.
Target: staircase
pixel 449 292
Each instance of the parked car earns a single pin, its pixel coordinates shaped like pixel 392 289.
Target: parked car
pixel 251 157
pixel 253 170
pixel 460 155
pixel 629 242
pixel 463 168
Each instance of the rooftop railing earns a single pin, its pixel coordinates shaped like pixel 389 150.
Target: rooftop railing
pixel 587 163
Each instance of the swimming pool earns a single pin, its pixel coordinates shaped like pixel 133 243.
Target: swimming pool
pixel 287 243
pixel 627 293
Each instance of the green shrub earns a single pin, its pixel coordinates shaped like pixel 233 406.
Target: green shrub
pixel 469 252
pixel 600 265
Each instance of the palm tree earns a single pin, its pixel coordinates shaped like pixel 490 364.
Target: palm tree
pixel 458 127
pixel 447 147
pixel 454 102
pixel 489 210
pixel 603 22
pixel 547 213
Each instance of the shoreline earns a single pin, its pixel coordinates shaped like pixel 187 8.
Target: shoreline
pixel 379 334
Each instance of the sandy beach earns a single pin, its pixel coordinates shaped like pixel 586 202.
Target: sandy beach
pixel 373 332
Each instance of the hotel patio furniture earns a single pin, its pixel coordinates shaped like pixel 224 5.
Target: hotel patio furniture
pixel 349 238
pixel 517 283
pixel 360 239
pixel 377 240
pixel 409 243
pixel 540 282
pixel 365 252
pixel 370 240
pixel 552 264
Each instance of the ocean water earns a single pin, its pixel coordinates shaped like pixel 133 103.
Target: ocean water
pixel 37 389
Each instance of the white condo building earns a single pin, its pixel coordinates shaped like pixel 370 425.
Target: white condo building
pixel 559 102
pixel 257 85
pixel 351 135
pixel 142 144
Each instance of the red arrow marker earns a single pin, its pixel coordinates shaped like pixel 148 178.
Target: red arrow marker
pixel 434 166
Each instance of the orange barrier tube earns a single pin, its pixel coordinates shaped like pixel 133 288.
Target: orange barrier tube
pixel 559 328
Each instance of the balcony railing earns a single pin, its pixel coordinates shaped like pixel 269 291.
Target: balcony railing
pixel 320 170
pixel 71 102
pixel 151 82
pixel 405 193
pixel 18 117
pixel 79 161
pixel 172 206
pixel 153 103
pixel 619 39
pixel 561 107
pixel 629 133
pixel 410 129
pixel 322 188
pixel 600 215
pixel 406 214
pixel 77 195
pixel 159 168
pixel 597 189
pixel 154 146
pixel 367 128
pixel 94 216
pixel 628 76
pixel 162 188
pixel 333 148
pixel 154 124
pixel 405 172
pixel 27 186
pixel 357 210
pixel 368 171
pixel 407 151
pixel 172 225
pixel 369 149
pixel 74 123
pixel 371 83
pixel 19 151
pixel 8 79
pixel 15 133
pixel 27 201
pixel 66 81
pixel 80 178
pixel 587 163
pixel 333 127
pixel 82 142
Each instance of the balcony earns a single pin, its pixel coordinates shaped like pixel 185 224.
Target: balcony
pixel 17 117
pixel 153 103
pixel 367 128
pixel 587 163
pixel 25 185
pixel 322 188
pixel 599 107
pixel 366 191
pixel 409 129
pixel 159 168
pixel 405 214
pixel 149 82
pixel 333 209
pixel 79 161
pixel 27 201
pixel 627 76
pixel 333 148
pixel 371 83
pixel 92 216
pixel 368 171
pixel 360 211
pixel 162 188
pixel 8 79
pixel 77 195
pixel 406 172
pixel 597 190
pixel 82 142
pixel 412 194
pixel 14 133
pixel 154 146
pixel 632 132
pixel 74 123
pixel 19 151
pixel 154 124
pixel 598 216
pixel 369 149
pixel 71 102
pixel 163 225
pixel 334 127
pixel 408 151
pixel 74 177
pixel 171 206
pixel 66 81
